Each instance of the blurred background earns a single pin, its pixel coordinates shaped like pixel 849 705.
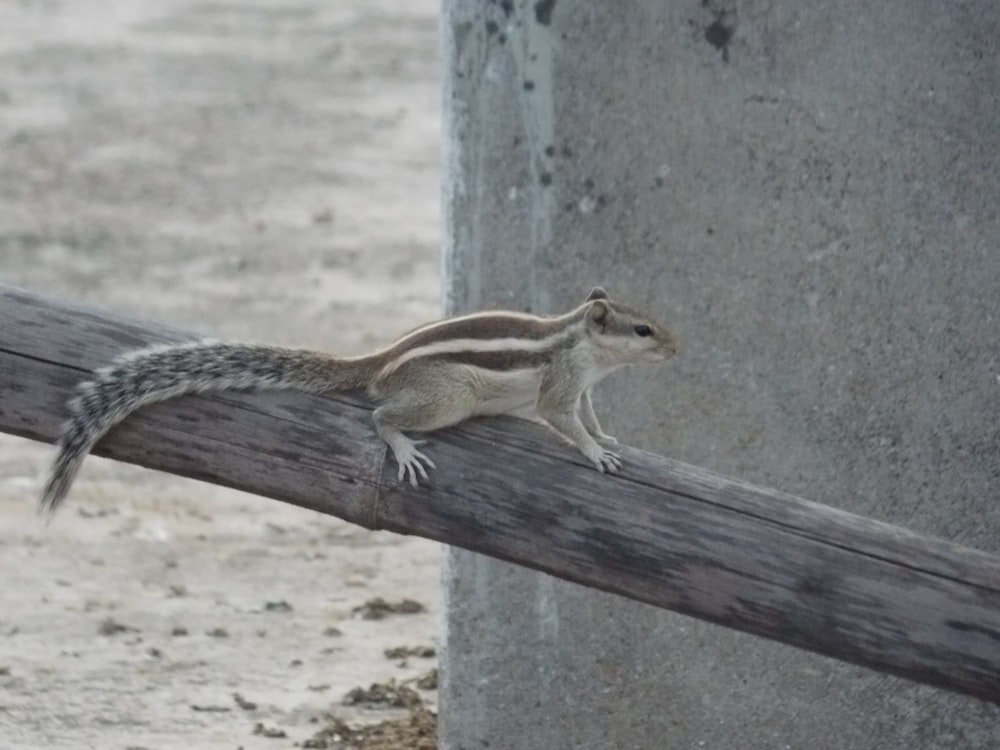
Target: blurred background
pixel 249 170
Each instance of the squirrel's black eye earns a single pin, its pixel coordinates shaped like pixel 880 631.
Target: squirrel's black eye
pixel 643 331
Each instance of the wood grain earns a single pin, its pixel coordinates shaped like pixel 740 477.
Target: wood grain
pixel 664 532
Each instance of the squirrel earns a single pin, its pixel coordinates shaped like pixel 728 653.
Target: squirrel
pixel 440 374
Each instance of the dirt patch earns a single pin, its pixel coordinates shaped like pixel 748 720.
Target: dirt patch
pixel 416 731
pixel 403 652
pixel 378 608
pixel 384 695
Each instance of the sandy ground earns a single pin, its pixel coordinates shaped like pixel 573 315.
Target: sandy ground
pixel 252 170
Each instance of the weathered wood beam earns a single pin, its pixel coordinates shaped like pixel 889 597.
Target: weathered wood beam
pixel 665 533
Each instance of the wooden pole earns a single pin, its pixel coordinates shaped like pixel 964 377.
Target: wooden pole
pixel 665 533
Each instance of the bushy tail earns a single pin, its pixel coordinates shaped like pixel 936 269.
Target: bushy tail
pixel 151 375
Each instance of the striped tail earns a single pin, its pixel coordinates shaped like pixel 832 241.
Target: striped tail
pixel 157 374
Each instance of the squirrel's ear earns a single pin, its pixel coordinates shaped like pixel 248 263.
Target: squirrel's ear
pixel 598 314
pixel 597 293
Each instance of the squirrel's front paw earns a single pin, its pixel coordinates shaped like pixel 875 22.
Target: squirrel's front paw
pixel 607 462
pixel 603 437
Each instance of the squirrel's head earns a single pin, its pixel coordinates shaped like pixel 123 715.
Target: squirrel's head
pixel 625 333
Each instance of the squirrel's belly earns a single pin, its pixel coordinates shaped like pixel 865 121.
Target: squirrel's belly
pixel 508 391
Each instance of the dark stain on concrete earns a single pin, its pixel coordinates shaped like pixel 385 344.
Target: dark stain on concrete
pixel 719 35
pixel 543 11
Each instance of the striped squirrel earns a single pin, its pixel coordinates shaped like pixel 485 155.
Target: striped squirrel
pixel 440 374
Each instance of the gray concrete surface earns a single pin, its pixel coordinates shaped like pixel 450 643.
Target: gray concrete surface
pixel 809 193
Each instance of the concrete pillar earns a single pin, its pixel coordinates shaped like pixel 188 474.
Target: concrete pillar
pixel 809 193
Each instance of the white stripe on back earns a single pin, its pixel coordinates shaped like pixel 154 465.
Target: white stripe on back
pixel 456 346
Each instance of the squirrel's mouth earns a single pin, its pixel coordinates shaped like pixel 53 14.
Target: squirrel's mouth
pixel 658 355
